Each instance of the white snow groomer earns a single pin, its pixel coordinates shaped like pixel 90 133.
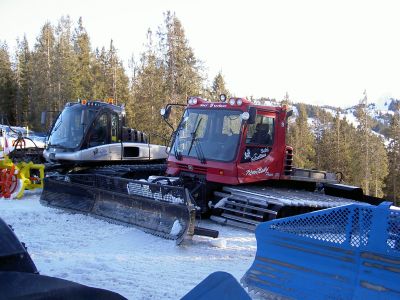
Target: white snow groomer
pixel 93 134
pixel 93 160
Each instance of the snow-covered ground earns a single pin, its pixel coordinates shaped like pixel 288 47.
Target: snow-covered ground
pixel 123 259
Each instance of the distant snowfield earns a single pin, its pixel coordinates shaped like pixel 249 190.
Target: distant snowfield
pixel 123 259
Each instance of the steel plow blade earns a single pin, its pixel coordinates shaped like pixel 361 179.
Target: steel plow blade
pixel 162 210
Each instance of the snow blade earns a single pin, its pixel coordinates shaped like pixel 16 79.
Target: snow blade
pixel 162 210
pixel 348 252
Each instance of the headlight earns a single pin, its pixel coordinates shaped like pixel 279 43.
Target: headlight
pixel 192 101
pixel 239 102
pixel 232 101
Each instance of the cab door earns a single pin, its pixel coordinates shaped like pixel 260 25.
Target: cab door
pixel 257 162
pixel 115 137
pixel 98 139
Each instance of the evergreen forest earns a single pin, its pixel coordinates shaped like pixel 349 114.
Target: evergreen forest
pixel 62 66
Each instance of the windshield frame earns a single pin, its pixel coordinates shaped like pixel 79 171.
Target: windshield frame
pixel 195 138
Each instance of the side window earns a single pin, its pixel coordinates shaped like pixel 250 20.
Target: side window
pixel 114 128
pixel 262 132
pixel 98 134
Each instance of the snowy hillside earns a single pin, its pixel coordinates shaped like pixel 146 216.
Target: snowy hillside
pixel 380 113
pixel 123 259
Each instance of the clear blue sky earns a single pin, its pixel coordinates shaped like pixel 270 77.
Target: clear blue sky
pixel 322 52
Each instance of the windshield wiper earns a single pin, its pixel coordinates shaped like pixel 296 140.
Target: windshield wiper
pixel 58 124
pixel 199 150
pixel 194 135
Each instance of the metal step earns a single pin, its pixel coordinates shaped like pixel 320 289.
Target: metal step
pixel 240 219
pixel 265 210
pixel 225 221
pixel 257 200
pixel 287 197
pixel 242 212
pixel 247 205
pixel 253 196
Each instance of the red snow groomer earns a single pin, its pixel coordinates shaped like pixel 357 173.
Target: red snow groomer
pixel 233 157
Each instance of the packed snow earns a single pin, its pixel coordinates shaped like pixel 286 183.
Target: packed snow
pixel 123 259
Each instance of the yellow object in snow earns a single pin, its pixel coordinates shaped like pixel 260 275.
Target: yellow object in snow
pixel 35 178
pixel 16 178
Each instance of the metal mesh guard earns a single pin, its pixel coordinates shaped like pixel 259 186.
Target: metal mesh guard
pixel 348 225
pixel 393 230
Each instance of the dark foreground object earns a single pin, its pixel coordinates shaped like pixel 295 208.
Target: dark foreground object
pixel 218 285
pixel 19 278
pixel 13 254
pixel 348 252
pixel 18 285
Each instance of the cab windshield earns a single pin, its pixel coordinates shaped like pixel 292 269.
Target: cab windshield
pixel 208 134
pixel 68 129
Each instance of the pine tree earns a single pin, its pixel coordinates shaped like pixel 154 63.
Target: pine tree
pixel 65 64
pixel 43 96
pixel 182 68
pixel 362 165
pixel 23 79
pixel 345 143
pixel 286 100
pixel 370 162
pixel 117 83
pixel 83 75
pixel 7 86
pixel 335 146
pixel 218 87
pixel 169 73
pixel 393 180
pixel 149 92
pixel 378 166
pixel 99 71
pixel 320 126
pixel 302 140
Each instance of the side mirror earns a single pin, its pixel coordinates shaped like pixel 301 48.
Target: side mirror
pixel 289 113
pixel 252 115
pixel 165 112
pixel 43 118
pixel 84 117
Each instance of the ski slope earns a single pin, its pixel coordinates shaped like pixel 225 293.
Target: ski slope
pixel 123 259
